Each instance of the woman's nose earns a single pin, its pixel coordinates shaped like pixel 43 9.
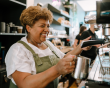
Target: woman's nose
pixel 46 29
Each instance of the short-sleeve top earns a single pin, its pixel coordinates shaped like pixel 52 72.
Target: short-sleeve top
pixel 21 59
pixel 78 38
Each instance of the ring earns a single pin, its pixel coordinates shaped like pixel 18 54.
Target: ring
pixel 70 64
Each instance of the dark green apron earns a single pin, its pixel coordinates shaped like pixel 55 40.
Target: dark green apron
pixel 42 64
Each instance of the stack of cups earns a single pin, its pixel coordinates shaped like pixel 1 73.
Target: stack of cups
pixel 2 27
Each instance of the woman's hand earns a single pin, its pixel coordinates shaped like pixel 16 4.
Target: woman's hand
pixel 87 47
pixel 66 65
pixel 98 45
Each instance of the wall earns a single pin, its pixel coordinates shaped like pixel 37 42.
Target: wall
pixel 30 3
pixel 78 17
pixel 48 1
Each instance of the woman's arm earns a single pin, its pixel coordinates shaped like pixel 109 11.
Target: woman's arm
pixel 75 43
pixel 41 80
pixel 78 49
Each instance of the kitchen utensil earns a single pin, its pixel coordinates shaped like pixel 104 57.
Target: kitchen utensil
pixel 2 24
pixel 19 29
pixel 90 19
pixel 82 67
pixel 92 42
pixel 8 28
pixel 106 29
pixel 11 24
pixel 13 29
pixel 82 63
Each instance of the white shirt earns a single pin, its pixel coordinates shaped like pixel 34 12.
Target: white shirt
pixel 21 59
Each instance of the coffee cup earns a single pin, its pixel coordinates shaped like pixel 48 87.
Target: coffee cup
pixel 19 29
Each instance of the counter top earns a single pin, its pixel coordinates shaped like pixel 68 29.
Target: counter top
pixel 65 49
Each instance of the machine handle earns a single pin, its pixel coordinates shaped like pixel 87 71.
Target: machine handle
pixel 92 42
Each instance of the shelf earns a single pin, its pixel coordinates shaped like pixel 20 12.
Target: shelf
pixel 57 36
pixel 20 34
pixel 52 8
pixel 66 25
pixel 56 22
pixel 11 3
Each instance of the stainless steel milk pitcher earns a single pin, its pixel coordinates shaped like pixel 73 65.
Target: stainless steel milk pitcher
pixel 82 68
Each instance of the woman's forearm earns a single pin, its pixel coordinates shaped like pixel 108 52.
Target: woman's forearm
pixel 41 80
pixel 78 49
pixel 74 46
pixel 75 43
pixel 75 51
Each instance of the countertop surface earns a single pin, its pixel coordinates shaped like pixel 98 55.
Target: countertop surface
pixel 65 49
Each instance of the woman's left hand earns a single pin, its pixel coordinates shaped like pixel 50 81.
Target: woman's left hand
pixel 98 45
pixel 87 47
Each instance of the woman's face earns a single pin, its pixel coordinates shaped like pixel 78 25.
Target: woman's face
pixel 39 31
pixel 85 29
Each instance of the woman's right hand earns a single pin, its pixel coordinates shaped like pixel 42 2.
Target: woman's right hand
pixel 66 65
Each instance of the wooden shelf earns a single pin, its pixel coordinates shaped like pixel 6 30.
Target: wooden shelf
pixel 11 3
pixel 56 22
pixel 20 34
pixel 52 8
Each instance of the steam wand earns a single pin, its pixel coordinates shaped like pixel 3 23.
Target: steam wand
pixel 99 57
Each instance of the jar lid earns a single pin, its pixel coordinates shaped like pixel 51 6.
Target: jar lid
pixel 20 27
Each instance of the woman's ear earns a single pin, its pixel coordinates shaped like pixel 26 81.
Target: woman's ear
pixel 28 28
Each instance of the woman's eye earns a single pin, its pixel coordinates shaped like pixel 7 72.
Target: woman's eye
pixel 48 26
pixel 42 26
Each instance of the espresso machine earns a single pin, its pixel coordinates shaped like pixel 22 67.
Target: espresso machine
pixel 99 76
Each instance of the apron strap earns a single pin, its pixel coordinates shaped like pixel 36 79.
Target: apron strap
pixel 51 49
pixel 12 85
pixel 35 56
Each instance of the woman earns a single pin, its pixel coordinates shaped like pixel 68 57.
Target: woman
pixel 34 62
pixel 77 39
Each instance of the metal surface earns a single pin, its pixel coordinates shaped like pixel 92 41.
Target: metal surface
pixel 101 67
pixel 107 73
pixel 96 74
pixel 82 68
pixel 106 29
pixel 90 19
